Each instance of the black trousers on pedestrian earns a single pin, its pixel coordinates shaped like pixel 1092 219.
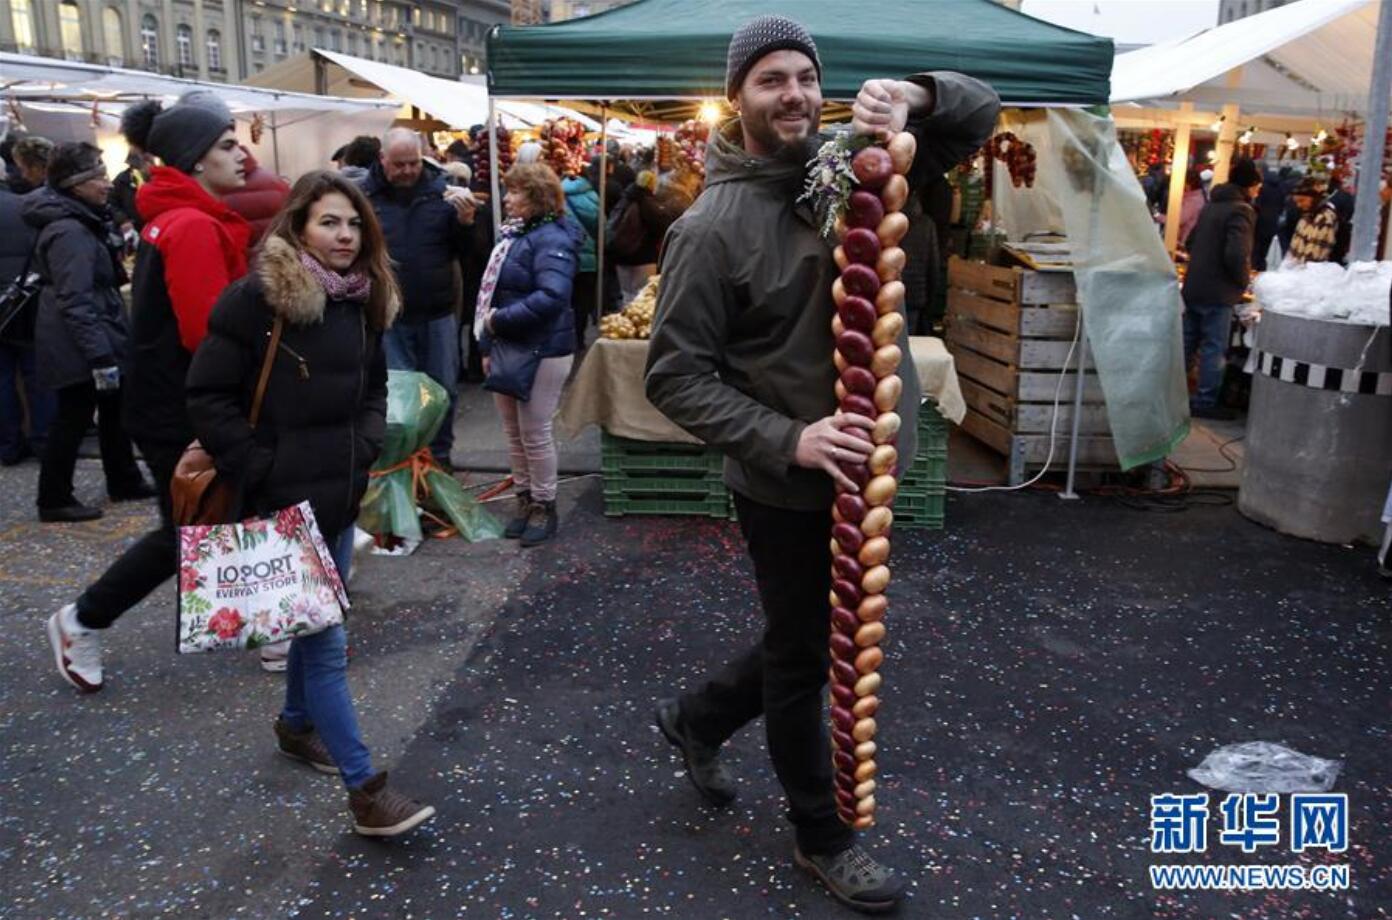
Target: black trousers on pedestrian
pixel 76 404
pixel 148 562
pixel 784 675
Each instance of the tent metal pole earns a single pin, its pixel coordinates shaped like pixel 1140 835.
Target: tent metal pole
pixel 1367 204
pixel 275 144
pixel 1179 169
pixel 493 177
pixel 603 213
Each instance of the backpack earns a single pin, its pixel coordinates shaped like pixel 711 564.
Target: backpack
pixel 625 233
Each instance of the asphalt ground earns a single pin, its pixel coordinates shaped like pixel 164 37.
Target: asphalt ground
pixel 1050 667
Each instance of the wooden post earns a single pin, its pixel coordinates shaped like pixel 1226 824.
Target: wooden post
pixel 1227 140
pixel 1178 170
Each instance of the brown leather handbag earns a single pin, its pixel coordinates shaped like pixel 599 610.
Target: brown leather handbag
pixel 198 494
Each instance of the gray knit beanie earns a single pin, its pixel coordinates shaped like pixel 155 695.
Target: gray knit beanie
pixel 758 37
pixel 179 135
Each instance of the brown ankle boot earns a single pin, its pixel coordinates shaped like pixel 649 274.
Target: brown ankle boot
pixel 306 747
pixel 382 812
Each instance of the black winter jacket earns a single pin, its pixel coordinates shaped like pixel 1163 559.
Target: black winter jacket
pixel 425 239
pixel 324 416
pixel 81 323
pixel 1220 248
pixel 16 242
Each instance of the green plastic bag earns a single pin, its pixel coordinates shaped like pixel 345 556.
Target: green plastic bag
pixel 400 488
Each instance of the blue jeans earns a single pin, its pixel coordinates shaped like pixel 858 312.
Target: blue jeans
pixel 1206 330
pixel 17 361
pixel 431 347
pixel 316 687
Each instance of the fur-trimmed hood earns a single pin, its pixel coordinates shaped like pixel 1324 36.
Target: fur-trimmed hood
pixel 294 294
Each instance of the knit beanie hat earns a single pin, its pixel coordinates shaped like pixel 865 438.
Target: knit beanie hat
pixel 178 135
pixel 73 164
pixel 760 36
pixel 1244 173
pixel 1307 186
pixel 206 99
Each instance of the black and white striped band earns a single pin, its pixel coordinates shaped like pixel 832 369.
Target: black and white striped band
pixel 1319 377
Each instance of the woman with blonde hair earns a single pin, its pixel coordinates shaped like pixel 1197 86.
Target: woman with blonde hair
pixel 324 275
pixel 526 331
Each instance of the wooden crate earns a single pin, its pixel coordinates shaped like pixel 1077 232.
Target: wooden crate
pixel 1010 330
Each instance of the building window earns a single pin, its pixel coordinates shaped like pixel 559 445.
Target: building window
pixel 299 37
pixel 183 43
pixel 214 50
pixel 113 36
pixel 22 18
pixel 353 43
pixel 149 42
pixel 335 40
pixel 279 37
pixel 70 30
pixel 319 37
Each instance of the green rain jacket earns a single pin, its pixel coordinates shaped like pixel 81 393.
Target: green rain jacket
pixel 741 345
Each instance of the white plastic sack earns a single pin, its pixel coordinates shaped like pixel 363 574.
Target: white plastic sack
pixel 1126 282
pixel 1260 766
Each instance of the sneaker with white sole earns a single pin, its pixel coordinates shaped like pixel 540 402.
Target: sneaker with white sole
pixel 76 650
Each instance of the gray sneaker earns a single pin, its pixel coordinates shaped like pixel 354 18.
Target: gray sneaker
pixel 855 879
pixel 703 765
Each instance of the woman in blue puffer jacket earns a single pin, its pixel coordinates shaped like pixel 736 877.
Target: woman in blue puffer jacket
pixel 524 300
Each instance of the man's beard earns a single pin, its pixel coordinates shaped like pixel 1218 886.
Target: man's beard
pixel 780 146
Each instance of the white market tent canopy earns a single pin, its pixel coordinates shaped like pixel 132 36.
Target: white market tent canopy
pixel 67 100
pixel 1308 58
pixel 459 104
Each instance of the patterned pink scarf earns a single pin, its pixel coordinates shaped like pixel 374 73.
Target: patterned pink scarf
pixel 352 286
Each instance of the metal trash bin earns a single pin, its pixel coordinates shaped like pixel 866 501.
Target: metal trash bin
pixel 1319 429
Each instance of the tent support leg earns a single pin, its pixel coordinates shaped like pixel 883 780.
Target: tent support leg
pixel 1366 205
pixel 603 208
pixel 1178 171
pixel 1227 142
pixel 275 143
pixel 1068 492
pixel 494 180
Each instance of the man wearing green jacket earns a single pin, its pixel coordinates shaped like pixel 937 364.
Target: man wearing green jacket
pixel 741 358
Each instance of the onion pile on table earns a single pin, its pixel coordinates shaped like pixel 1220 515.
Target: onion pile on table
pixel 869 320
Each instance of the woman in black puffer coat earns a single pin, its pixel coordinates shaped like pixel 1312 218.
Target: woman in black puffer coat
pixel 80 333
pixel 324 273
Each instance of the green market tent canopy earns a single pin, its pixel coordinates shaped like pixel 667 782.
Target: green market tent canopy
pixel 653 50
pixel 675 49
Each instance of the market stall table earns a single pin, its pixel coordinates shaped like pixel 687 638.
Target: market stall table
pixel 608 391
pixel 651 466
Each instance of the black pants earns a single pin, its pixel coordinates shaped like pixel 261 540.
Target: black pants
pixel 782 677
pixel 148 562
pixel 76 404
pixel 582 300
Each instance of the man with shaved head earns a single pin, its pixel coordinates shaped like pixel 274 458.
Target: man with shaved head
pixel 427 232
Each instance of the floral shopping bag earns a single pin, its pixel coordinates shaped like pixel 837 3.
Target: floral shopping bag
pixel 255 583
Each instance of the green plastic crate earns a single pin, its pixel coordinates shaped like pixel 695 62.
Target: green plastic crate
pixel 715 507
